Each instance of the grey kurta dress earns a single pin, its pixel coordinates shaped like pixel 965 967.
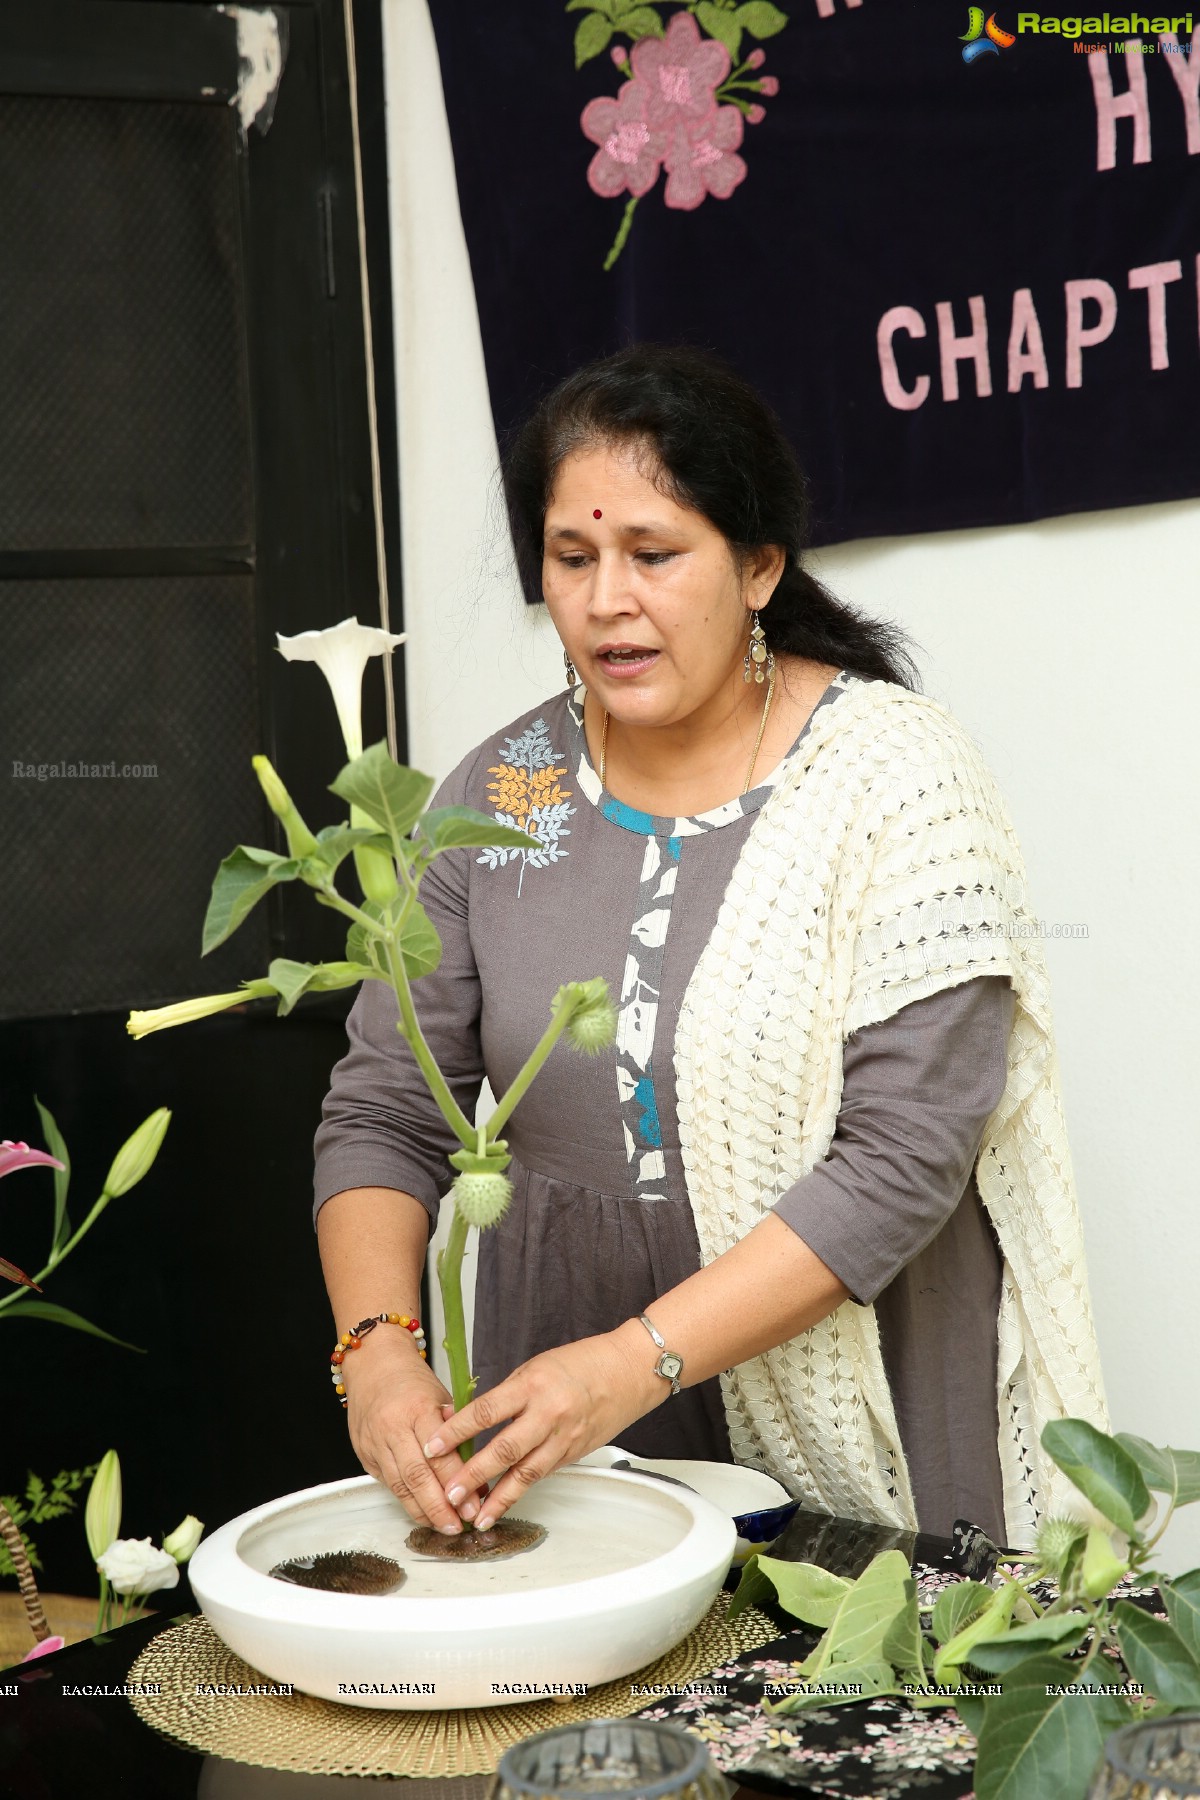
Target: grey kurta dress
pixel 600 1222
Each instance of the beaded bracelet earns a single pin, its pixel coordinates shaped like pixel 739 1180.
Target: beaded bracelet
pixel 350 1340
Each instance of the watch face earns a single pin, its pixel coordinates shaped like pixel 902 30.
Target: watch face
pixel 670 1365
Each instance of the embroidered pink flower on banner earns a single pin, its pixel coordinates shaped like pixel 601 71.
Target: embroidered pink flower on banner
pixel 699 166
pixel 631 150
pixel 681 72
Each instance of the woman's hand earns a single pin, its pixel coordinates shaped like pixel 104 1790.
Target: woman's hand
pixel 558 1406
pixel 395 1404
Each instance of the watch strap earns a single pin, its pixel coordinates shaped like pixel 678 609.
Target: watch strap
pixel 670 1363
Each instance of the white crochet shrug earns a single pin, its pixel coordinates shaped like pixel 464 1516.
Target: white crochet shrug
pixel 882 869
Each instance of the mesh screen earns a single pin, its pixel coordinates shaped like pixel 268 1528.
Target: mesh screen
pixel 123 394
pixel 106 876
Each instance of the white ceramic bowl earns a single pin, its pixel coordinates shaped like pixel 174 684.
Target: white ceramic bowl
pixel 628 1567
pixel 759 1506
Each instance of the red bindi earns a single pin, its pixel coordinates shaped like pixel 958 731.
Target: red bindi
pixel 597 514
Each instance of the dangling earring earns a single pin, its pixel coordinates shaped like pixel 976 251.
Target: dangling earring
pixel 571 676
pixel 758 658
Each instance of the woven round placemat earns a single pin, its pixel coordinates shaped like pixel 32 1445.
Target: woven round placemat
pixel 320 1737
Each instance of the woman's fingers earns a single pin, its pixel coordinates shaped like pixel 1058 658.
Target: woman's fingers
pixel 538 1433
pixel 388 1428
pixel 511 1489
pixel 416 1485
pixel 554 1408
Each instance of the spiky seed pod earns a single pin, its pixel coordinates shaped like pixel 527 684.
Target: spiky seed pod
pixel 482 1199
pixel 1055 1540
pixel 593 1028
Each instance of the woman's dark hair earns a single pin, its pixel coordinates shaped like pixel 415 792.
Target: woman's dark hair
pixel 715 446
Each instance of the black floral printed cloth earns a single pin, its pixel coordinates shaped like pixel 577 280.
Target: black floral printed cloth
pixel 877 1747
pixel 958 257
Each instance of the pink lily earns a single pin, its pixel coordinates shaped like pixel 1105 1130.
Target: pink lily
pixel 20 1156
pixel 45 1648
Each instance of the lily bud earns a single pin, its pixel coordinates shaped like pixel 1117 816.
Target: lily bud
pixel 102 1513
pixel 136 1156
pixel 482 1199
pixel 300 840
pixel 183 1540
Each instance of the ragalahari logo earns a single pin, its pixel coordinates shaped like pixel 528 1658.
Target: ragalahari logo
pixel 984 38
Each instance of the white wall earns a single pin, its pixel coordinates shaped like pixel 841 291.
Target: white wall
pixel 1068 648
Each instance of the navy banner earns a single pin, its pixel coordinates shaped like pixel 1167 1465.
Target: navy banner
pixel 958 251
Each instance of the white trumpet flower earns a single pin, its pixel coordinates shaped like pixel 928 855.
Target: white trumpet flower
pixel 342 652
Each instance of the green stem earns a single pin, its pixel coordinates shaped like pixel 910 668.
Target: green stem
pixel 338 902
pixel 410 1027
pixel 618 243
pixel 1099 1633
pixel 57 1256
pixel 449 1270
pixel 532 1067
pixel 102 1610
pixel 1144 1548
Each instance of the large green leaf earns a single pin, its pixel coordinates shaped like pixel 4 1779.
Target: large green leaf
pixel 1182 1599
pixel 456 827
pixel 420 945
pixel 752 1589
pixel 956 1606
pixel 335 843
pixel 59 1315
pixel 870 1679
pixel 971 1709
pixel 1157 1656
pixel 904 1645
pixel 240 883
pixel 1039 1746
pixel 760 19
pixel 864 1616
pixel 291 980
pixel 1056 1634
pixel 604 6
pixel 1101 1469
pixel 62 1177
pixel 591 37
pixel 389 793
pixel 721 25
pixel 1175 1473
pixel 805 1590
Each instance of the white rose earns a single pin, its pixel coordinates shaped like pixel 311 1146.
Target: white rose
pixel 135 1566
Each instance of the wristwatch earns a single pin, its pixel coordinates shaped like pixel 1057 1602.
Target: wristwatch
pixel 670 1363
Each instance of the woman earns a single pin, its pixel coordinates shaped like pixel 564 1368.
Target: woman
pixel 814 1211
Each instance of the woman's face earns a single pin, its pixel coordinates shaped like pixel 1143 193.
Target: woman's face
pixel 646 595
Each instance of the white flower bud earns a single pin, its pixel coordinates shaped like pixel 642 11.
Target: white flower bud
pixel 183 1540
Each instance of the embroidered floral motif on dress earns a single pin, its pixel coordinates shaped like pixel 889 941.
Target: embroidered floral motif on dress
pixel 527 795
